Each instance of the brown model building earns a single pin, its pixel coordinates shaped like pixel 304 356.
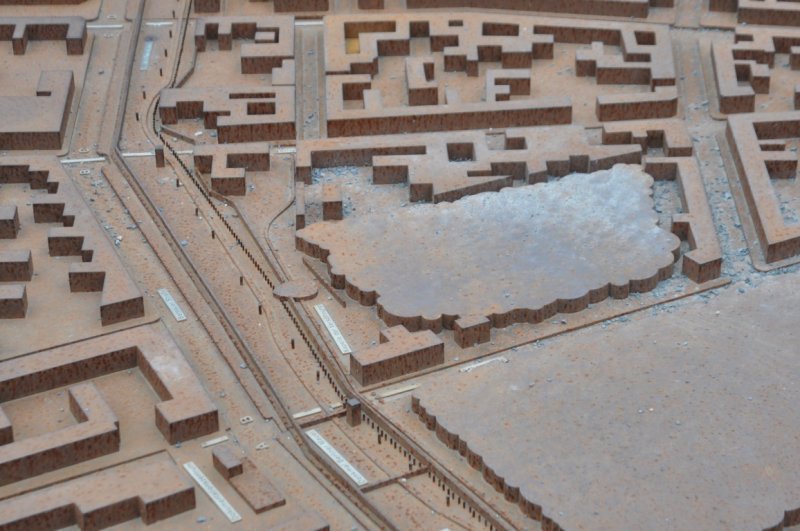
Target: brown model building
pixel 399 264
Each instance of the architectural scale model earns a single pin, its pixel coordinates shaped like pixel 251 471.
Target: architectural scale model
pixel 316 265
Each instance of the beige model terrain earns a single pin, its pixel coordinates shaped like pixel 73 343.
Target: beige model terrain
pixel 399 264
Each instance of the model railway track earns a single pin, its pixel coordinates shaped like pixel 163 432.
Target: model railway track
pixel 341 486
pixel 272 273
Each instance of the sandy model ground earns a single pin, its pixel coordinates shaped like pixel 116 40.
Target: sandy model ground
pixel 391 264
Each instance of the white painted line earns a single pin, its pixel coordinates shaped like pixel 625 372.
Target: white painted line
pixel 472 366
pixel 215 495
pixel 308 22
pixel 285 149
pixel 212 442
pixel 301 414
pixel 333 330
pixel 104 26
pixel 158 24
pixel 131 154
pixel 185 152
pixel 169 301
pixel 397 391
pixel 144 62
pixel 82 161
pixel 337 458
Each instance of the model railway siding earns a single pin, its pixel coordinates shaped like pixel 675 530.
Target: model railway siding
pixel 331 372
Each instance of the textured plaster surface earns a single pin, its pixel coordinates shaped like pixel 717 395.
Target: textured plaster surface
pixel 523 247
